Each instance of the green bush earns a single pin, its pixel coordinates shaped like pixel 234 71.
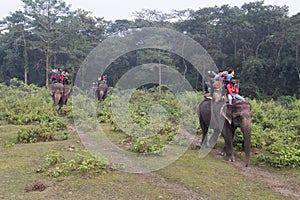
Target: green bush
pixel 55 164
pixel 40 134
pixel 277 123
pixel 153 144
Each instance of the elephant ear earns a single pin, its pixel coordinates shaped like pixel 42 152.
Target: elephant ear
pixel 226 112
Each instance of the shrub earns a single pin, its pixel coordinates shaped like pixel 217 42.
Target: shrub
pixel 40 134
pixel 55 164
pixel 152 144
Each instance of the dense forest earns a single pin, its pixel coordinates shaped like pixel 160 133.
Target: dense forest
pixel 260 42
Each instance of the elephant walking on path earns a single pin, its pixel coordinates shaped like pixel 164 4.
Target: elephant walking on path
pixel 226 118
pixel 60 94
pixel 102 91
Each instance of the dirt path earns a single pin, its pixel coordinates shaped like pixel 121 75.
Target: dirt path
pixel 278 183
pixel 178 189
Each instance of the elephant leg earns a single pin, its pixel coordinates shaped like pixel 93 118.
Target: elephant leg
pixel 98 94
pixel 228 133
pixel 57 100
pixel 214 139
pixel 222 152
pixel 204 132
pixel 65 96
pixel 57 97
pixel 105 95
pixel 101 95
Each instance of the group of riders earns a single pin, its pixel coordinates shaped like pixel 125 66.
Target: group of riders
pixel 224 79
pixel 100 88
pixel 59 76
pixel 227 81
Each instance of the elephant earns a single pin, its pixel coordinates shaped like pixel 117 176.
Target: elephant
pixel 60 94
pixel 66 94
pixel 226 118
pixel 102 91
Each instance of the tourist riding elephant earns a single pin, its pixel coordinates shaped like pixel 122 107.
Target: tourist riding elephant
pixel 102 91
pixel 226 118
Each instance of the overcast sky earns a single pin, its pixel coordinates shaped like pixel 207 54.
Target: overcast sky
pixel 123 9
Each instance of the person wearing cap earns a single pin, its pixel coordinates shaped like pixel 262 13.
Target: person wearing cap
pixel 232 91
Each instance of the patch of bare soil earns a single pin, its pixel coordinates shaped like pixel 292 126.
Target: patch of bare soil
pixel 180 191
pixel 36 186
pixel 278 183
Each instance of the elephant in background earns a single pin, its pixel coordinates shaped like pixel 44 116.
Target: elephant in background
pixel 102 91
pixel 226 119
pixel 60 94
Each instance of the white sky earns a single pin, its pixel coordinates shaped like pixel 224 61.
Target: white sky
pixel 123 9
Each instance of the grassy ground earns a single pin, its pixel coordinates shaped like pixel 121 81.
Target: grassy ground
pixel 187 178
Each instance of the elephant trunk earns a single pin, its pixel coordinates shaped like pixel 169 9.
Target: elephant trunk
pixel 246 129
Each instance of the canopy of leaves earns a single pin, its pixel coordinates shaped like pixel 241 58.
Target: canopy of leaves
pixel 260 42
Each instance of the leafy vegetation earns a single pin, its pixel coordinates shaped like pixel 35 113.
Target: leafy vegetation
pixel 26 105
pixel 55 164
pixel 260 42
pixel 276 131
pixel 275 138
pixel 275 127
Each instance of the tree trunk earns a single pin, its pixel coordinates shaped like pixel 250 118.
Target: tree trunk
pixel 197 81
pixel 257 49
pixel 47 66
pixel 297 60
pixel 25 60
pixel 159 79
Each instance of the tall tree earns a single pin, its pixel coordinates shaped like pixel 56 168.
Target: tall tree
pixel 47 19
pixel 15 28
pixel 293 32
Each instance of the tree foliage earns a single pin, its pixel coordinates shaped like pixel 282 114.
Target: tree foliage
pixel 260 42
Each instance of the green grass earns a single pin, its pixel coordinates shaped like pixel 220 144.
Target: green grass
pixel 209 178
pixel 216 179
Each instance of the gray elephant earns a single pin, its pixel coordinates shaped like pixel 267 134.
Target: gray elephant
pixel 102 91
pixel 226 119
pixel 60 94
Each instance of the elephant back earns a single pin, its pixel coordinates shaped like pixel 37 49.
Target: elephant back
pixel 103 87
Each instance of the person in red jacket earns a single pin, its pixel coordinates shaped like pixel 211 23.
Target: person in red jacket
pixel 232 91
